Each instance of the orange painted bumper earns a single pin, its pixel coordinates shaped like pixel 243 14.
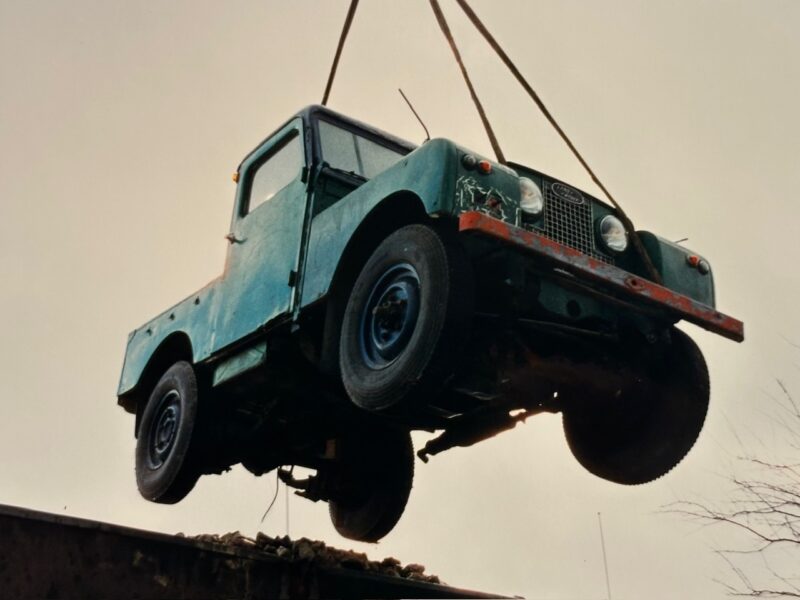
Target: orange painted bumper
pixel 612 278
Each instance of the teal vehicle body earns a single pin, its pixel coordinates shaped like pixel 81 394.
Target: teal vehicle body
pixel 283 255
pixel 424 180
pixel 372 287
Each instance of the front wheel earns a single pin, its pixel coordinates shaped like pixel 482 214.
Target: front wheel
pixel 645 429
pixel 407 316
pixel 166 464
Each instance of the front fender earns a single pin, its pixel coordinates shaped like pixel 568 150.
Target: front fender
pixel 427 174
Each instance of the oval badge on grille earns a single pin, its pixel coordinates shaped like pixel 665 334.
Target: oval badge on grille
pixel 567 193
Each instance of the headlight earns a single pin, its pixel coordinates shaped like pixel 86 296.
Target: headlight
pixel 613 233
pixel 530 197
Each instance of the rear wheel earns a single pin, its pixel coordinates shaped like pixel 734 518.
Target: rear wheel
pixel 647 428
pixel 166 464
pixel 407 315
pixel 374 474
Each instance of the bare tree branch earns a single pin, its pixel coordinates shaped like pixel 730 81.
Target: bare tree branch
pixel 764 507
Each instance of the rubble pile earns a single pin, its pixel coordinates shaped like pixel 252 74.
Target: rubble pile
pixel 319 553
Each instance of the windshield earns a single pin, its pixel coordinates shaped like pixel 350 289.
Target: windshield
pixel 353 153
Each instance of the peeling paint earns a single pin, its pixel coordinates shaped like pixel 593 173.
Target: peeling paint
pixel 472 196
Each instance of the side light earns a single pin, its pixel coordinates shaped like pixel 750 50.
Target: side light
pixel 698 263
pixel 485 167
pixel 469 161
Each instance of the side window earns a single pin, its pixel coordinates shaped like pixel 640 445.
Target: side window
pixel 374 157
pixel 354 153
pixel 278 169
pixel 339 148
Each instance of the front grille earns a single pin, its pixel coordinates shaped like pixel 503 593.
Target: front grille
pixel 570 223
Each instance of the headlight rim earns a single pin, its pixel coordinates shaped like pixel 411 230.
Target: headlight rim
pixel 602 237
pixel 528 211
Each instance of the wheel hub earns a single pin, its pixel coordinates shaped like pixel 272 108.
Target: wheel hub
pixel 390 315
pixel 165 429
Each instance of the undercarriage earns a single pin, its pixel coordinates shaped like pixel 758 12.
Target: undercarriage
pixel 632 408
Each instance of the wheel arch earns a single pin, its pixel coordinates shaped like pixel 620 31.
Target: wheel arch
pixel 175 347
pixel 395 211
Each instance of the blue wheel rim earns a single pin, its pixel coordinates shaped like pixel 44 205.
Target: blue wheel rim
pixel 165 429
pixel 389 316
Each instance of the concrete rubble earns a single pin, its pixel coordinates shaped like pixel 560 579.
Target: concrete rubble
pixel 319 553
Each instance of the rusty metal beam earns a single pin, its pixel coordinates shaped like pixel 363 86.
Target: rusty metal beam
pixel 614 278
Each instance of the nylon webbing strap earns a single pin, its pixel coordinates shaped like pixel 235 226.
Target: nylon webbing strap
pixel 348 20
pixel 437 10
pixel 637 243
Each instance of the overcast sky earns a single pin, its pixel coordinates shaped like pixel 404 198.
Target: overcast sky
pixel 120 126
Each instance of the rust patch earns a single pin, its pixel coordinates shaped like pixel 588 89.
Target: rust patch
pixel 578 263
pixel 634 283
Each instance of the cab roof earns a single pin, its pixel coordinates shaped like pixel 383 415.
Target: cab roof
pixel 314 111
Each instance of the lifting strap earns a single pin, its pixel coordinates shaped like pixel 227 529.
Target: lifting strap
pixel 637 243
pixel 348 20
pixel 437 10
pixel 442 21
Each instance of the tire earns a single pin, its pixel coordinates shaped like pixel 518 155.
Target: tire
pixel 408 313
pixel 166 467
pixel 376 471
pixel 645 431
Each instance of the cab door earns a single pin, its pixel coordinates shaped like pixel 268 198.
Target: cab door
pixel 265 238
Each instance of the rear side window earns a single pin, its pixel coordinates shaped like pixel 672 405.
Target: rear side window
pixel 280 167
pixel 348 151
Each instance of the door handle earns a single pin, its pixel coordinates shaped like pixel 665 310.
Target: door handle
pixel 231 237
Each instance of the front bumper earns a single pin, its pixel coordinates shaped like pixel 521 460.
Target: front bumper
pixel 613 279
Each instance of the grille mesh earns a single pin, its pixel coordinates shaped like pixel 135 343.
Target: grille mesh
pixel 570 223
